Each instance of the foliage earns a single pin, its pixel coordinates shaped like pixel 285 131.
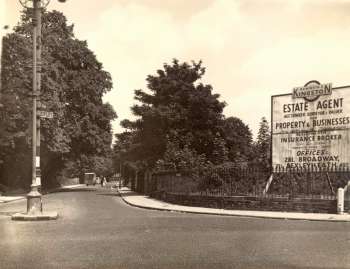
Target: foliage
pixel 73 83
pixel 176 101
pixel 180 158
pixel 229 179
pixel 101 165
pixel 220 151
pixel 123 149
pixel 238 139
pixel 263 146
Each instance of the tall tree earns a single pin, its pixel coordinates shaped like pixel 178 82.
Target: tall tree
pixel 176 101
pixel 238 139
pixel 220 150
pixel 73 83
pixel 123 149
pixel 263 145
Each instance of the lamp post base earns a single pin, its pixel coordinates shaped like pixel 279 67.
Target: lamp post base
pixel 35 217
pixel 34 201
pixel 35 208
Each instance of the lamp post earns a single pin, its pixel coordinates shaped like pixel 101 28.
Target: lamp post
pixel 34 199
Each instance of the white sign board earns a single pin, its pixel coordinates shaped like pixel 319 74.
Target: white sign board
pixel 311 134
pixel 45 114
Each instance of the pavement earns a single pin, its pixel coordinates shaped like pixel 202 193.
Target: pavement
pixel 146 202
pixel 7 199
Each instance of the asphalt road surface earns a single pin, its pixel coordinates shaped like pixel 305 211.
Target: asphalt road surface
pixel 97 230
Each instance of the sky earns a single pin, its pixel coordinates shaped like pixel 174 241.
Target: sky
pixel 251 49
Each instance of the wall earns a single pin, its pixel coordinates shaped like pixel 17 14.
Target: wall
pixel 253 203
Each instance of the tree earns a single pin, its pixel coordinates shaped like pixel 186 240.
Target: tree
pixel 178 157
pixel 123 149
pixel 238 139
pixel 73 83
pixel 176 101
pixel 263 145
pixel 220 150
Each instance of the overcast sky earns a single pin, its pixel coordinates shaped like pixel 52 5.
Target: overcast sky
pixel 251 49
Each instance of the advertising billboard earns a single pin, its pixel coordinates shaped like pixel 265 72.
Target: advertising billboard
pixel 310 128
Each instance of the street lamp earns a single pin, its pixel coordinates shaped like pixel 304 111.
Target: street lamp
pixel 34 199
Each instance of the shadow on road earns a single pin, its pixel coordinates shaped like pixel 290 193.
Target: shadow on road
pixel 108 194
pixel 74 190
pixel 126 194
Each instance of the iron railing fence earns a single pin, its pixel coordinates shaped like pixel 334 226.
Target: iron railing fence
pixel 236 181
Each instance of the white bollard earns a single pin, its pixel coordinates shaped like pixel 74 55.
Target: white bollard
pixel 340 201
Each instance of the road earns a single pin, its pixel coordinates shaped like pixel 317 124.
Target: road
pixel 97 230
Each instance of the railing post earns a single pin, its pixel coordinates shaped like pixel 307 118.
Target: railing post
pixel 340 201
